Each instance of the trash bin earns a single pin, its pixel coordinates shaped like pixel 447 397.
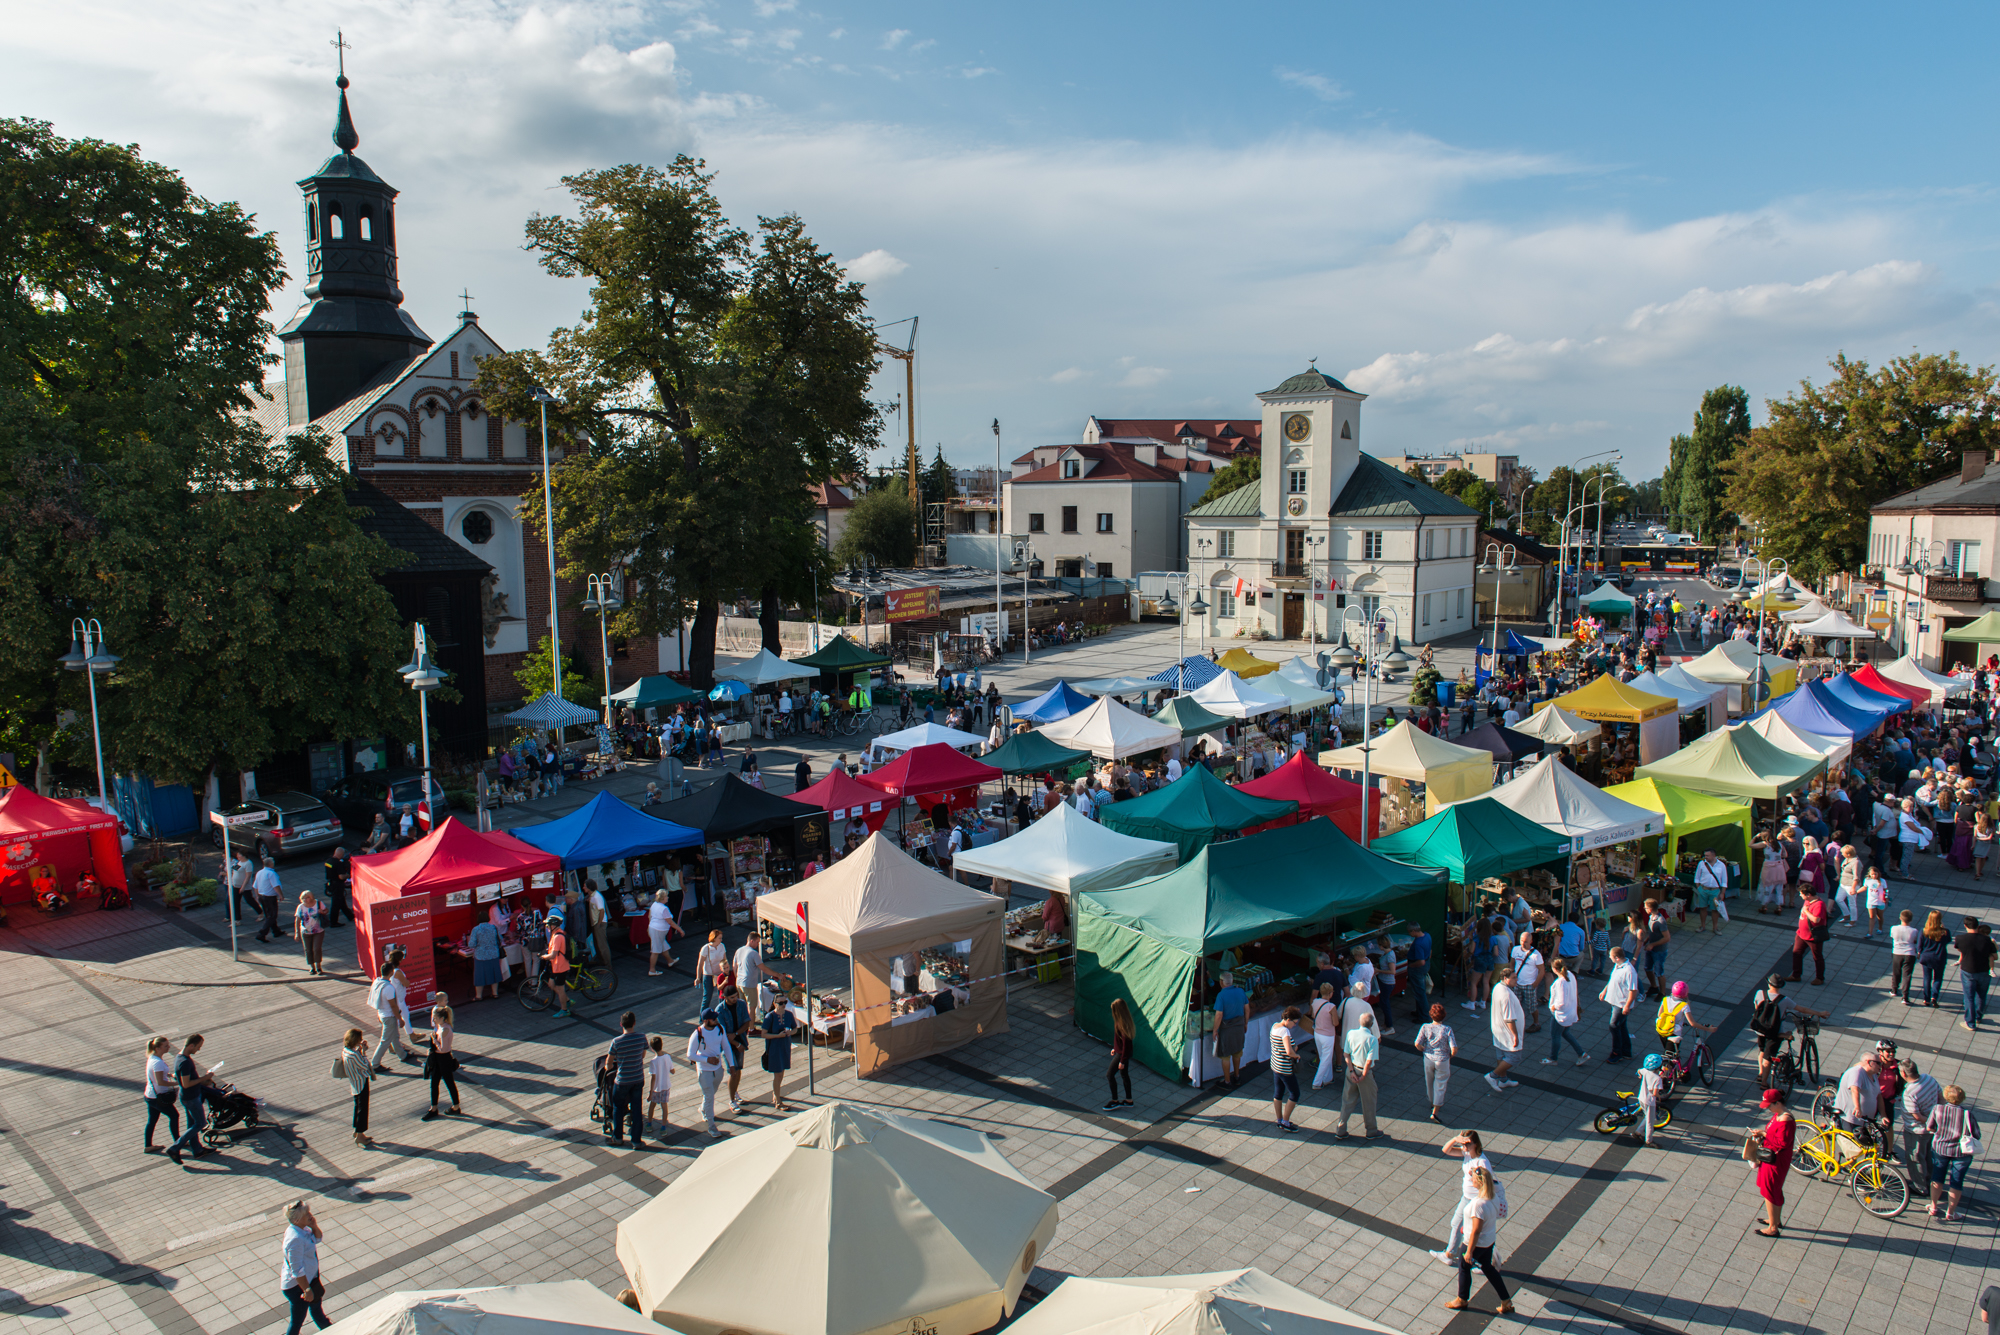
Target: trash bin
pixel 1447 692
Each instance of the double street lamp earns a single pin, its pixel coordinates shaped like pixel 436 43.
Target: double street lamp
pixel 88 655
pixel 1371 658
pixel 1498 559
pixel 424 678
pixel 1180 614
pixel 602 598
pixel 1767 571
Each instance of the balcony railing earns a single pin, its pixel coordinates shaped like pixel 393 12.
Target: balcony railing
pixel 1290 570
pixel 1955 589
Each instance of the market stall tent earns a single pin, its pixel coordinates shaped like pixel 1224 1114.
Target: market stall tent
pixel 1845 688
pixel 1835 625
pixel 605 829
pixel 1246 664
pixel 1067 851
pixel 1608 700
pixel 841 1220
pixel 924 734
pixel 1225 1302
pixel 44 837
pixel 549 710
pixel 1781 732
pixel 1116 686
pixel 844 797
pixel 730 808
pixel 1693 817
pixel 1449 773
pixel 1556 726
pixel 1694 696
pixel 1812 610
pixel 655 692
pixel 1610 598
pixel 1111 731
pixel 1032 752
pixel 1187 674
pixel 1301 695
pixel 1912 673
pixel 1504 744
pixel 1318 794
pixel 1681 679
pixel 1192 811
pixel 1812 708
pixel 879 904
pixel 562 1307
pixel 1736 762
pixel 1470 841
pixel 1867 675
pixel 933 773
pixel 765 668
pixel 1303 670
pixel 1983 630
pixel 1231 696
pixel 842 654
pixel 1183 713
pixel 1553 796
pixel 1145 942
pixel 1736 663
pixel 1059 701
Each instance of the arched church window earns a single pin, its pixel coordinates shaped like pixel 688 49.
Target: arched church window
pixel 335 227
pixel 367 226
pixel 312 221
pixel 478 528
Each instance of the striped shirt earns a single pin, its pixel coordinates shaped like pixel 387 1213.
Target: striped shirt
pixel 628 1051
pixel 1281 1054
pixel 1919 1097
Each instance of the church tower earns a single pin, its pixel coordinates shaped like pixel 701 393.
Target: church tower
pixel 352 325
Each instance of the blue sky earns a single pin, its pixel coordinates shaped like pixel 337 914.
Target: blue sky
pixel 1544 231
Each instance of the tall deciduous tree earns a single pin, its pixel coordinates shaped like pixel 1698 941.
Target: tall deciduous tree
pixel 879 528
pixel 1827 453
pixel 1721 425
pixel 1238 472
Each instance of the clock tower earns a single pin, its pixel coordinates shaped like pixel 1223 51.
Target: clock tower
pixel 1312 440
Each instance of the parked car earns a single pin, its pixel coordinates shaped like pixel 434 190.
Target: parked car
pixel 358 797
pixel 293 824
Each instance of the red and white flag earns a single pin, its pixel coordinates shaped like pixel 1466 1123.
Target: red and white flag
pixel 1242 587
pixel 805 930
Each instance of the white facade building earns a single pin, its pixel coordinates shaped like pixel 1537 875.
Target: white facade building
pixel 1952 527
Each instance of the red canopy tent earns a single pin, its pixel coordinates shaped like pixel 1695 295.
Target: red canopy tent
pixel 1317 793
pixel 934 771
pixel 435 889
pixel 845 797
pixel 42 837
pixel 1875 681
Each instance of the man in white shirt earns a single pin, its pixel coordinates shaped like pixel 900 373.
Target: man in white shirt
pixel 1361 971
pixel 385 996
pixel 1508 1036
pixel 784 704
pixel 1173 768
pixel 1528 978
pixel 267 886
pixel 707 1052
pixel 600 923
pixel 1621 990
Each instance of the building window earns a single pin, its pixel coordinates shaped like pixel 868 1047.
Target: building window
pixel 1371 544
pixel 1427 609
pixel 1069 519
pixel 1345 434
pixel 1103 523
pixel 1461 605
pixel 1072 468
pixel 477 528
pixel 1225 604
pixel 334 227
pixel 1371 605
pixel 1225 543
pixel 1295 482
pixel 1430 543
pixel 1104 570
pixel 1965 558
pixel 1070 569
pixel 1035 524
pixel 367 226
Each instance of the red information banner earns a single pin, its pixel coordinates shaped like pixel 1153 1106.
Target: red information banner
pixel 407 923
pixel 910 604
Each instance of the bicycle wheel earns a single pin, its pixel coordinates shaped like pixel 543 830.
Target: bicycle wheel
pixel 1610 1120
pixel 1664 1117
pixel 1704 1066
pixel 1809 1059
pixel 597 983
pixel 1822 1104
pixel 533 994
pixel 1881 1191
pixel 1785 1073
pixel 1806 1157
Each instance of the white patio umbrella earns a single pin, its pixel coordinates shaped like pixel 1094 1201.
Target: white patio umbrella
pixel 564 1307
pixel 1233 697
pixel 1225 1302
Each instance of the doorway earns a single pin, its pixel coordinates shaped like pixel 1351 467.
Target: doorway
pixel 1956 653
pixel 1295 549
pixel 1295 616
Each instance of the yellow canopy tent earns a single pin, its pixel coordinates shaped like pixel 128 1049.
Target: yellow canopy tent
pixel 1689 813
pixel 1449 772
pixel 1246 664
pixel 1608 700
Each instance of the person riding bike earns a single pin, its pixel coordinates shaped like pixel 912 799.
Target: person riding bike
pixel 1675 1018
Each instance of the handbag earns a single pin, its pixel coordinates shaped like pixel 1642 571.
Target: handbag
pixel 1968 1140
pixel 1753 1148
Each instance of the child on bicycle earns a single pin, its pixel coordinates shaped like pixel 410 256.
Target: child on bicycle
pixel 1676 1017
pixel 1652 1083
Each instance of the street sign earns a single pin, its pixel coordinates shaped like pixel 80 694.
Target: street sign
pixel 1324 677
pixel 805 928
pixel 7 779
pixel 246 818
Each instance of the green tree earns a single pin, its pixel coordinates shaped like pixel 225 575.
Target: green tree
pixel 880 528
pixel 537 674
pixel 936 481
pixel 713 379
pixel 1238 472
pixel 1481 495
pixel 1827 453
pixel 1453 481
pixel 1721 425
pixel 226 567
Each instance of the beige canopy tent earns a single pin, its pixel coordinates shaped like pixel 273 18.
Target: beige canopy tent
pixel 879 906
pixel 840 1221
pixel 1449 773
pixel 1557 726
pixel 1775 728
pixel 1225 1302
pixel 566 1307
pixel 1111 731
pixel 1734 663
pixel 1909 672
pixel 1812 610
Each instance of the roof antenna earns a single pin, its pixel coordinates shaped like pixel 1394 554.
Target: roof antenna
pixel 344 136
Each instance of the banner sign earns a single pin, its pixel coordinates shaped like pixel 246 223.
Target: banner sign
pixel 910 604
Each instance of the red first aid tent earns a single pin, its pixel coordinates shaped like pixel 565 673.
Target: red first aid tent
pixel 1317 793
pixel 933 771
pixel 435 890
pixel 845 797
pixel 44 836
pixel 1875 681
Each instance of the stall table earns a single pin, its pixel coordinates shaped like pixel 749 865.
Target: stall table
pixel 1203 1065
pixel 1045 960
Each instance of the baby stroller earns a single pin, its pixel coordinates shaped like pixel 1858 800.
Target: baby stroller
pixel 600 1103
pixel 227 1108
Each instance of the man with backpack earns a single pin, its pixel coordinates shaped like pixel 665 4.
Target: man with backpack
pixel 1772 1017
pixel 1815 921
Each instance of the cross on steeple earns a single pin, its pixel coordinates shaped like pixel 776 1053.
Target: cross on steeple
pixel 341 47
pixel 465 306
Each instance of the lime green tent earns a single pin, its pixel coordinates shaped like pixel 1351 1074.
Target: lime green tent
pixel 1032 753
pixel 1183 713
pixel 1699 820
pixel 1473 840
pixel 1986 630
pixel 1736 762
pixel 1145 942
pixel 1191 811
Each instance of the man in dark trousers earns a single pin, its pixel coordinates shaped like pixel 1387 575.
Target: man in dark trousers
pixel 339 879
pixel 802 775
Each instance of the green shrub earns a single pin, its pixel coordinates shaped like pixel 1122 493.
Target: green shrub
pixel 1423 687
pixel 203 891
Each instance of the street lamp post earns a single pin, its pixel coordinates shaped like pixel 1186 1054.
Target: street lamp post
pixel 1181 611
pixel 600 597
pixel 544 398
pixel 423 678
pixel 1776 566
pixel 1314 544
pixel 1925 565
pixel 1562 556
pixel 88 655
pixel 1024 552
pixel 1498 558
pixel 1371 657
pixel 1201 635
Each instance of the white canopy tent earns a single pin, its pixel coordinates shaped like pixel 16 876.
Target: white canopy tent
pixel 1836 625
pixel 1303 695
pixel 1693 696
pixel 1110 731
pixel 1232 697
pixel 1067 851
pixel 1779 731
pixel 565 1307
pixel 1302 670
pixel 842 1220
pixel 924 734
pixel 1227 1302
pixel 1812 610
pixel 1909 672
pixel 1558 727
pixel 1551 795
pixel 764 669
pixel 1124 687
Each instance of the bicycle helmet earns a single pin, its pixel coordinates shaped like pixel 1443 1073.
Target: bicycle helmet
pixel 1654 1062
pixel 1886 1045
pixel 1680 991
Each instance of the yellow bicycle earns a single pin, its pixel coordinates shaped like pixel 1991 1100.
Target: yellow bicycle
pixel 1831 1152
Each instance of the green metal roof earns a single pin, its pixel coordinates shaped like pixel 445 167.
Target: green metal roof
pixel 1309 381
pixel 1238 503
pixel 1379 491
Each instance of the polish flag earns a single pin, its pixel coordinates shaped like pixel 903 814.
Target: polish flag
pixel 1242 587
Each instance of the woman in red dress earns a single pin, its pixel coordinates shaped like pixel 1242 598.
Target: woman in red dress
pixel 1779 1133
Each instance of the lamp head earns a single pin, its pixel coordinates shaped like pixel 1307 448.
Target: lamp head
pixel 1197 606
pixel 103 660
pixel 75 658
pixel 1396 657
pixel 1167 603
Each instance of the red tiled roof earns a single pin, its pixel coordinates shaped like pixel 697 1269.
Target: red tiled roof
pixel 1113 465
pixel 1222 437
pixel 833 495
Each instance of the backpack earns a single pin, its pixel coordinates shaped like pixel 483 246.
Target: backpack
pixel 1670 1012
pixel 1767 1017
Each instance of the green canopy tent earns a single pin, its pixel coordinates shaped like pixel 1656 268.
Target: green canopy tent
pixel 1146 941
pixel 1183 713
pixel 1699 820
pixel 1607 601
pixel 1986 630
pixel 656 692
pixel 1736 762
pixel 1032 753
pixel 841 658
pixel 1191 811
pixel 1474 839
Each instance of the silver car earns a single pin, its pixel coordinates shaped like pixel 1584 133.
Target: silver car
pixel 292 824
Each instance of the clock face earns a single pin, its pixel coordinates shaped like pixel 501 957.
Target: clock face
pixel 1298 426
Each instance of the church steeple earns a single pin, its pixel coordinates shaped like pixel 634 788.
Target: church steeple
pixel 352 325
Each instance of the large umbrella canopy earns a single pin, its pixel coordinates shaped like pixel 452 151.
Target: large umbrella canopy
pixel 1552 796
pixel 1257 886
pixel 1246 664
pixel 1503 743
pixel 765 668
pixel 1866 675
pixel 1187 674
pixel 605 829
pixel 1813 708
pixel 1984 630
pixel 1557 726
pixel 549 710
pixel 1110 730
pixel 1473 840
pixel 925 734
pixel 1226 1302
pixel 1059 701
pixel 930 769
pixel 654 692
pixel 1116 686
pixel 1689 813
pixel 731 807
pixel 729 690
pixel 1230 695
pixel 1912 673
pixel 842 655
pixel 1182 712
pixel 1736 762
pixel 1780 731
pixel 1835 625
pixel 1032 753
pixel 1192 810
pixel 842 1220
pixel 564 1307
pixel 1068 851
pixel 1845 688
pixel 1318 794
pixel 1609 700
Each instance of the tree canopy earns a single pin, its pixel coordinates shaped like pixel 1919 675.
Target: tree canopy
pixel 1238 472
pixel 1694 482
pixel 880 529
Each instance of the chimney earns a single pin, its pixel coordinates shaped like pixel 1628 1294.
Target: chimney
pixel 1146 454
pixel 1973 468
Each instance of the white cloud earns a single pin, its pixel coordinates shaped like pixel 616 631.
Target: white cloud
pixel 1144 377
pixel 894 38
pixel 1068 375
pixel 1321 87
pixel 874 266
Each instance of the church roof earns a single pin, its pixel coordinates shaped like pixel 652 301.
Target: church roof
pixel 429 550
pixel 1309 381
pixel 1236 503
pixel 1377 491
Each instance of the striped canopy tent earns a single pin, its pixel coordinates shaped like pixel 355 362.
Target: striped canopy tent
pixel 550 710
pixel 1190 672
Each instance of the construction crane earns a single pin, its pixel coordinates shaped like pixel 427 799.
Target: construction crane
pixel 908 357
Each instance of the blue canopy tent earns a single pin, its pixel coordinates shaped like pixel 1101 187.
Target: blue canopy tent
pixel 1846 689
pixel 1520 648
pixel 1058 702
pixel 605 829
pixel 1190 672
pixel 1812 708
